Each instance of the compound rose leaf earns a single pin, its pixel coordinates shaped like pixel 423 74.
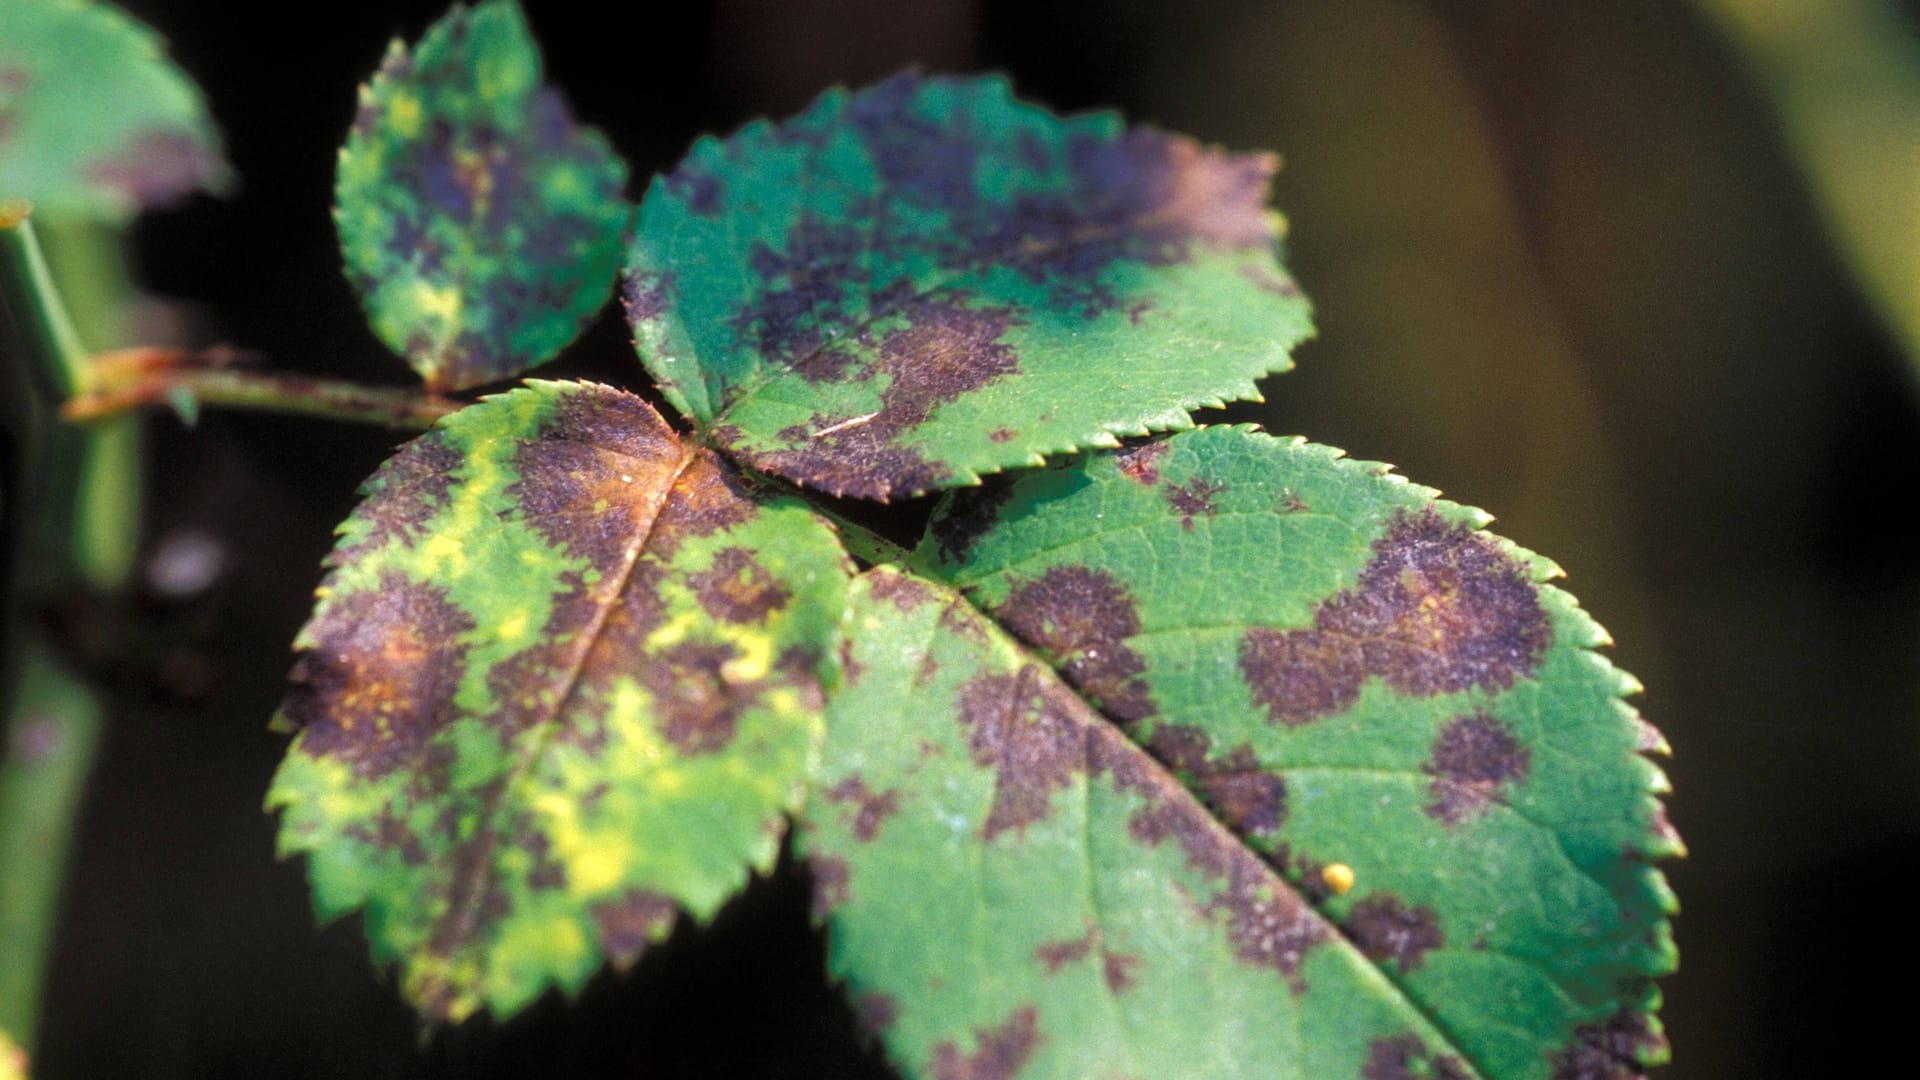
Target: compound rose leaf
pixel 563 680
pixel 1013 888
pixel 1385 702
pixel 906 287
pixel 94 119
pixel 479 223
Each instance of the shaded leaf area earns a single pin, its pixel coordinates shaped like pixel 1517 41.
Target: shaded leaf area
pixel 1013 888
pixel 1351 674
pixel 909 286
pixel 94 119
pixel 479 223
pixel 563 679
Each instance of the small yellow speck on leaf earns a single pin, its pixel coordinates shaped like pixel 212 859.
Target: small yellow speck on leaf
pixel 1339 878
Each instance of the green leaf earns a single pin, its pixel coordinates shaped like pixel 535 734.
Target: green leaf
pixel 562 679
pixel 1351 674
pixel 94 119
pixel 480 224
pixel 1015 888
pixel 907 287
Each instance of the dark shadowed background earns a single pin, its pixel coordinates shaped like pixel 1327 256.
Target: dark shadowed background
pixel 1565 269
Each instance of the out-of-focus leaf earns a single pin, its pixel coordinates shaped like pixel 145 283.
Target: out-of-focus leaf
pixel 1015 889
pixel 479 223
pixel 1350 673
pixel 562 679
pixel 1845 77
pixel 13 1060
pixel 907 287
pixel 94 119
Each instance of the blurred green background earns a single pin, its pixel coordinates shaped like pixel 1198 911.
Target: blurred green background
pixel 1642 278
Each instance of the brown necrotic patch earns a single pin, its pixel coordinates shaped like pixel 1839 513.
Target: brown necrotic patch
pixel 632 921
pixel 1475 761
pixel 1081 617
pixel 697 703
pixel 1000 1052
pixel 1613 1049
pixel 871 808
pixel 596 474
pixel 1193 499
pixel 737 588
pixel 1406 1057
pixel 903 591
pixel 378 682
pixel 1141 464
pixel 708 498
pixel 1023 727
pixel 405 493
pixel 1439 608
pixel 1387 931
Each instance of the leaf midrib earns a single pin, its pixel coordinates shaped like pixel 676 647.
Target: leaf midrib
pixel 462 918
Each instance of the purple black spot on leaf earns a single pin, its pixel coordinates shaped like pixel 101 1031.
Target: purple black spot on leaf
pixel 736 588
pixel 1406 1057
pixel 875 1012
pixel 1267 922
pixel 924 161
pixel 1000 1052
pixel 970 516
pixel 1475 761
pixel 1081 617
pixel 699 704
pixel 1148 197
pixel 1387 931
pixel 1117 969
pixel 1193 499
pixel 646 293
pixel 810 289
pixel 931 351
pixel 632 921
pixel 1251 800
pixel 1024 728
pixel 1614 1049
pixel 871 808
pixel 903 591
pixel 829 874
pixel 405 493
pixel 592 480
pixel 1439 608
pixel 696 186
